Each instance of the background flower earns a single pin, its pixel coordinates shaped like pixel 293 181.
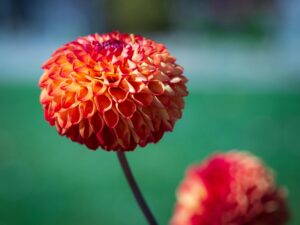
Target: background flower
pixel 233 188
pixel 114 90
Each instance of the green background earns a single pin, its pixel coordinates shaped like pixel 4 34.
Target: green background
pixel 46 179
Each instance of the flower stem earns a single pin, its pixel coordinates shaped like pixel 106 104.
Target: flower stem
pixel 135 189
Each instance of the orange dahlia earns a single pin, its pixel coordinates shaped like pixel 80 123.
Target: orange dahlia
pixel 114 90
pixel 233 188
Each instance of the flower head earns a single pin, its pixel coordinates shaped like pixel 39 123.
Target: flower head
pixel 233 188
pixel 114 90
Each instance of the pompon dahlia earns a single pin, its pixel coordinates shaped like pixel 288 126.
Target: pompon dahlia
pixel 233 188
pixel 114 90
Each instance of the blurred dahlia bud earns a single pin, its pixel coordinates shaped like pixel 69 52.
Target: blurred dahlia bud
pixel 114 90
pixel 233 188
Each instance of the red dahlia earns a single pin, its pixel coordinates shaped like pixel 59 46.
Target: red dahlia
pixel 114 90
pixel 233 188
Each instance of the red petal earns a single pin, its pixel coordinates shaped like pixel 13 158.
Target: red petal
pixel 126 86
pixel 74 115
pixel 107 139
pixel 156 87
pixel 96 123
pixel 84 129
pixel 87 108
pixel 143 98
pixel 111 118
pixel 103 103
pixel 138 86
pixel 92 142
pixel 118 94
pixel 123 134
pixel 126 108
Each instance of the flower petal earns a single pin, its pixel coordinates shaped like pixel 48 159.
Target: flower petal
pixel 126 108
pixel 118 94
pixel 87 109
pixel 156 86
pixel 103 103
pixel 111 118
pixel 143 98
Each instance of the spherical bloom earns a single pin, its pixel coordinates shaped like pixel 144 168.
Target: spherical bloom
pixel 114 90
pixel 233 188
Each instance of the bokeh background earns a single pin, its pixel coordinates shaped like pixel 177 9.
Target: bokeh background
pixel 242 61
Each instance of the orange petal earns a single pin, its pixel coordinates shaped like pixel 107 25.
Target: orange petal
pixel 103 103
pixel 85 93
pixel 126 108
pixel 44 97
pixel 111 79
pixel 53 88
pixel 44 80
pixel 156 87
pixel 68 99
pixel 118 94
pixel 111 118
pixel 65 70
pixel 62 119
pixel 65 85
pixel 61 59
pixel 143 98
pixel 98 87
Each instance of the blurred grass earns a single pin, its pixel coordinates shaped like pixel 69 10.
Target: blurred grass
pixel 46 179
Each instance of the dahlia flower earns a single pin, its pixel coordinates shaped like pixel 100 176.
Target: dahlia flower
pixel 114 90
pixel 233 188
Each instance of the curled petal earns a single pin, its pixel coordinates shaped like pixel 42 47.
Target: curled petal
pixel 156 86
pixel 103 103
pixel 96 122
pixel 45 98
pixel 180 90
pixel 126 108
pixel 74 115
pixel 98 87
pixel 107 139
pixel 85 93
pixel 87 109
pixel 111 118
pixel 118 94
pixel 122 134
pixel 65 70
pixel 85 129
pixel 68 99
pixel 138 86
pixel 111 79
pixel 143 98
pixel 127 86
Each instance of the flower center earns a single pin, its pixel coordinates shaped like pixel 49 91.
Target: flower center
pixel 112 45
